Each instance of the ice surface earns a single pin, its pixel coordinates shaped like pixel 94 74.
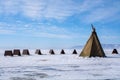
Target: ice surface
pixel 59 67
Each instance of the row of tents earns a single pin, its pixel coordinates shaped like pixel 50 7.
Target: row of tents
pixel 38 51
pixel 92 48
pixel 26 52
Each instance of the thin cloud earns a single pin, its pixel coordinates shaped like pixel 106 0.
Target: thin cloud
pixel 92 11
pixel 40 30
pixel 100 14
pixel 89 12
pixel 6 32
pixel 88 5
pixel 50 35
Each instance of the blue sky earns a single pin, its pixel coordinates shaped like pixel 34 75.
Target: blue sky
pixel 57 23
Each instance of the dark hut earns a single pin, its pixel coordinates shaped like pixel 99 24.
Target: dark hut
pixel 114 51
pixel 93 47
pixel 74 52
pixel 16 52
pixel 62 52
pixel 51 52
pixel 8 53
pixel 38 51
pixel 26 52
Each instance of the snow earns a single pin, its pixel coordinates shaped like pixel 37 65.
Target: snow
pixel 59 67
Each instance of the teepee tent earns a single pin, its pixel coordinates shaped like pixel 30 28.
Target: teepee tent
pixel 62 52
pixel 52 51
pixel 93 47
pixel 74 52
pixel 8 53
pixel 114 51
pixel 26 52
pixel 38 51
pixel 16 52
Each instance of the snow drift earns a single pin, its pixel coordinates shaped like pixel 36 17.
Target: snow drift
pixel 59 66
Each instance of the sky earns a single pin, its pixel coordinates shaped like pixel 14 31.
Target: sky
pixel 57 23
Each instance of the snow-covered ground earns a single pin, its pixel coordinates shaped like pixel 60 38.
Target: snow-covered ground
pixel 59 67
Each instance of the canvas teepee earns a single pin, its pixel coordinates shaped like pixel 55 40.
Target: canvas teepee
pixel 26 52
pixel 114 51
pixel 74 52
pixel 8 53
pixel 62 52
pixel 16 52
pixel 93 47
pixel 52 51
pixel 38 51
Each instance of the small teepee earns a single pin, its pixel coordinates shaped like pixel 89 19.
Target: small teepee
pixel 62 52
pixel 16 52
pixel 52 51
pixel 38 51
pixel 114 51
pixel 93 47
pixel 8 53
pixel 26 52
pixel 74 52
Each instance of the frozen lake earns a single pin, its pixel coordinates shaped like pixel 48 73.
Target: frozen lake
pixel 59 67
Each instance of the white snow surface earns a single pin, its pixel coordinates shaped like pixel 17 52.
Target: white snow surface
pixel 59 67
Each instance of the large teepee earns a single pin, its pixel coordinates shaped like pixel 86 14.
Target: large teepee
pixel 93 47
